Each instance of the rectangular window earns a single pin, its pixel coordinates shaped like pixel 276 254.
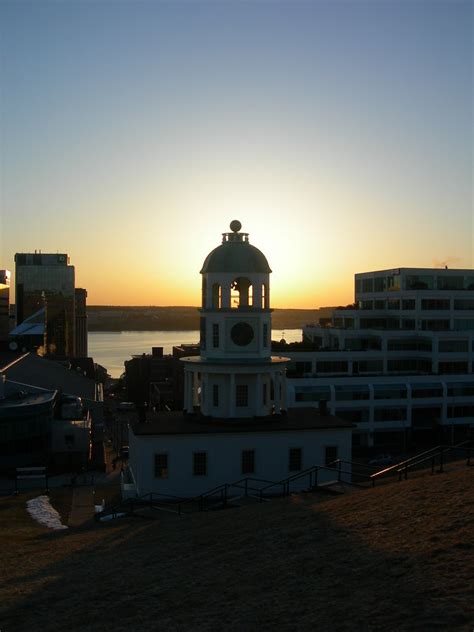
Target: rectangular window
pixel 265 335
pixel 379 284
pixel 450 283
pixel 452 346
pixel 390 414
pixel 408 303
pixel 215 336
pixel 330 454
pixel 390 391
pixel 435 304
pixel 161 466
pixel 426 390
pixel 215 395
pixel 200 463
pixel 294 459
pixel 241 395
pixel 248 461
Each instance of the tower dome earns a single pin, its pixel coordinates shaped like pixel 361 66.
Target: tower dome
pixel 236 254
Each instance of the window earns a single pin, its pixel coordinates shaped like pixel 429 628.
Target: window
pixel 241 395
pixel 355 415
pixel 379 284
pixel 419 282
pixel 390 414
pixel 294 459
pixel 460 389
pixel 367 285
pixel 357 391
pixel 408 303
pixel 161 466
pixel 215 395
pixel 332 367
pixel 215 336
pixel 390 391
pixel 330 454
pixel 199 463
pixel 393 303
pixel 435 304
pixel 454 345
pixel 426 390
pixel 312 393
pixel 450 283
pixel 248 461
pixel 463 303
pixel 265 335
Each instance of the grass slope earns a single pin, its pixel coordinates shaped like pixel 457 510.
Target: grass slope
pixel 398 557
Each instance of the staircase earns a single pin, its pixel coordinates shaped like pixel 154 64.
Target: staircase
pixel 349 476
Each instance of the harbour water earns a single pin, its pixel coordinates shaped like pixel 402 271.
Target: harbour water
pixel 112 348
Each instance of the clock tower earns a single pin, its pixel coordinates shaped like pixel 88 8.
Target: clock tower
pixel 235 375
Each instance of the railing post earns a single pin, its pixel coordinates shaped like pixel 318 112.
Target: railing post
pixel 468 462
pixel 339 471
pixel 433 464
pixel 225 495
pixel 406 471
pixel 441 460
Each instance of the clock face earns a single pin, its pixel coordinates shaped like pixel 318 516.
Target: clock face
pixel 242 334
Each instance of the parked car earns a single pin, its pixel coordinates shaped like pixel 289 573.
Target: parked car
pixel 382 460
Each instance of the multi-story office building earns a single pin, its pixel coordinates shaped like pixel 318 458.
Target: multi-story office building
pixel 398 362
pixel 48 280
pixel 4 305
pixel 81 323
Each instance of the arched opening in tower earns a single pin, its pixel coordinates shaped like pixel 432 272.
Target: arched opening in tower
pixel 241 293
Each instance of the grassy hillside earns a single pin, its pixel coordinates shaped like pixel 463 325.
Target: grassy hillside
pixel 398 557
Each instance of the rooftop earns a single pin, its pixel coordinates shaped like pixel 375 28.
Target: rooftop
pixel 177 423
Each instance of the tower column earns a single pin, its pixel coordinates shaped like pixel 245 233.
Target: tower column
pixel 188 391
pixel 277 393
pixel 283 391
pixel 258 394
pixel 232 395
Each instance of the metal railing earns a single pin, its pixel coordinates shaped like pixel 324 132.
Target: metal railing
pixel 432 454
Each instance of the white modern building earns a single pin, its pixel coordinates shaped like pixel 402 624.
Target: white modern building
pixel 235 422
pixel 398 362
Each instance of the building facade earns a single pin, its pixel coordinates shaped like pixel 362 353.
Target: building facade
pixel 47 280
pixel 4 306
pixel 80 296
pixel 398 362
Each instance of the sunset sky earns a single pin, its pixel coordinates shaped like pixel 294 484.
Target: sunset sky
pixel 339 133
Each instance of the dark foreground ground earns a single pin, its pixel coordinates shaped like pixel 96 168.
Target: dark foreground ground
pixel 399 557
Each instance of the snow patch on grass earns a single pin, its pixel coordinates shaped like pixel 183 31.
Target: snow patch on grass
pixel 41 510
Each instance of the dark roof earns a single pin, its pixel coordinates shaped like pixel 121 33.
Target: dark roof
pixel 176 422
pixel 236 256
pixel 48 374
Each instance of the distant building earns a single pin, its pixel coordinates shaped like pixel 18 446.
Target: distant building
pixel 81 323
pixel 4 306
pixel 47 280
pixel 398 363
pixel 235 422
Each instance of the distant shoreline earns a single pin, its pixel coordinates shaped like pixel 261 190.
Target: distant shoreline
pixel 117 318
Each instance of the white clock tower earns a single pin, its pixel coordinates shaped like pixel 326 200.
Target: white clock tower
pixel 235 376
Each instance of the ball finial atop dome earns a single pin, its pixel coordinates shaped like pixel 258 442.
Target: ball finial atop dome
pixel 235 226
